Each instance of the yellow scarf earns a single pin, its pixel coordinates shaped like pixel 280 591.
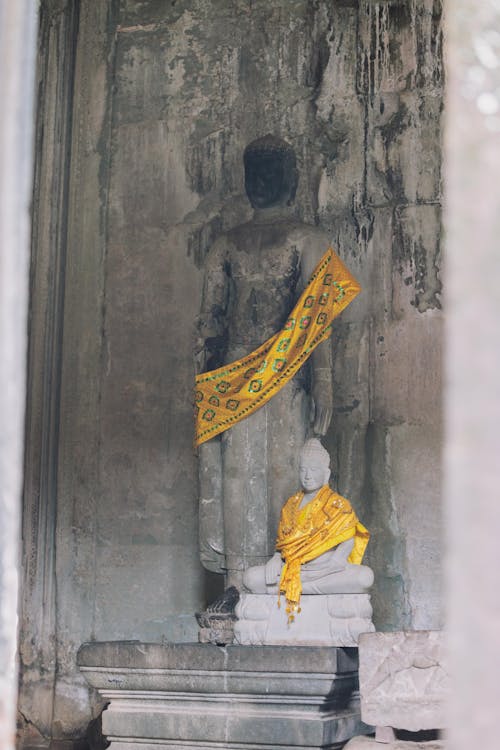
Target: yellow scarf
pixel 232 392
pixel 305 533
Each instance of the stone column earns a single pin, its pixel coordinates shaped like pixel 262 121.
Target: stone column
pixel 58 29
pixel 17 58
pixel 472 222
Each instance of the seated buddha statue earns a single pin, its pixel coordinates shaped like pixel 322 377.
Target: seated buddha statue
pixel 320 542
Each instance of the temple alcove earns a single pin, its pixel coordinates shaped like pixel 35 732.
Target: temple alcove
pixel 144 110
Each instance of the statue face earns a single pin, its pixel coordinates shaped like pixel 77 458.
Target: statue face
pixel 269 179
pixel 313 475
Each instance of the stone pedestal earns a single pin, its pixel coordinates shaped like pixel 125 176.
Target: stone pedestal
pixel 324 620
pixel 236 697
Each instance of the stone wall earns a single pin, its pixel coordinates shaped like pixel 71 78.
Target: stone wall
pixel 387 434
pixel 153 103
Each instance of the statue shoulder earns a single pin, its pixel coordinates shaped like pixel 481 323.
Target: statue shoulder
pixel 313 243
pixel 307 234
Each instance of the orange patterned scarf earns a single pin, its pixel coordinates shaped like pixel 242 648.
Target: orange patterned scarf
pixel 232 392
pixel 305 533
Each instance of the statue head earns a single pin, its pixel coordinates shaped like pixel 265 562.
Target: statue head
pixel 314 467
pixel 271 174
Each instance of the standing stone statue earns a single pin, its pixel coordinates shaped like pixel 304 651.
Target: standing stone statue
pixel 254 276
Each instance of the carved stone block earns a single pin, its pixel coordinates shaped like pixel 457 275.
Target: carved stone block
pixel 216 628
pixel 403 679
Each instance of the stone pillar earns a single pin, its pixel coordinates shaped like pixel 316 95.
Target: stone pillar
pixel 472 221
pixel 17 57
pixel 58 27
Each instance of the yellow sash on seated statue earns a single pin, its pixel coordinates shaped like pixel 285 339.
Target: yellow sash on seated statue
pixel 232 392
pixel 306 533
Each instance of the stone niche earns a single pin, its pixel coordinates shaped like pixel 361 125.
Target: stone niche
pixel 236 697
pixel 145 108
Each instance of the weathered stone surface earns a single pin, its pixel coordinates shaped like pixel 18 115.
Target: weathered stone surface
pixel 412 447
pixel 416 256
pixel 408 397
pixel 138 655
pixel 387 367
pixel 415 60
pixel 404 148
pixel 323 620
pixel 204 696
pixel 404 682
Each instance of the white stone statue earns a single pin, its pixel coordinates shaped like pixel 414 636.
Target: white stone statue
pixel 316 569
pixel 328 573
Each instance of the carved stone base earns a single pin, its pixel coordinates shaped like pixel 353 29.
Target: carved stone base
pixel 216 627
pixel 217 621
pixel 324 620
pixel 235 698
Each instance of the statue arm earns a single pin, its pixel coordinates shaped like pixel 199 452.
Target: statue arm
pixel 321 359
pixel 272 568
pixel 211 327
pixel 322 387
pixel 211 323
pixel 211 531
pixel 334 560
